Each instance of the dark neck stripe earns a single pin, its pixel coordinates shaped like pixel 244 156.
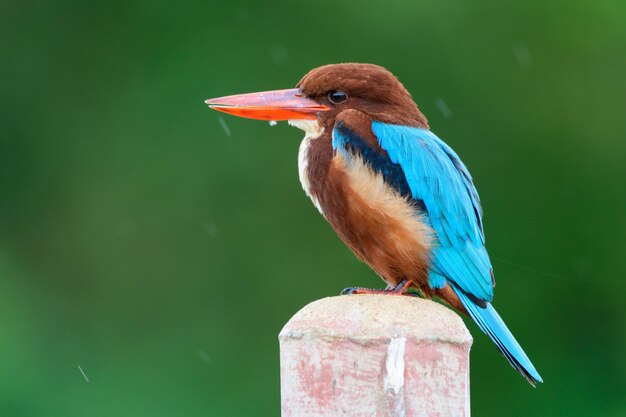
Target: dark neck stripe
pixel 377 160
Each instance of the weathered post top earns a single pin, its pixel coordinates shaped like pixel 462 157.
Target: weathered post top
pixel 374 355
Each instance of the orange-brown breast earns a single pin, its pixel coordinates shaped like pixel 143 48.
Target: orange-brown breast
pixel 383 228
pixel 380 226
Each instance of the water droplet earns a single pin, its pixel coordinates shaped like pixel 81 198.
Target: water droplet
pixel 279 54
pixel 522 55
pixel 443 108
pixel 211 229
pixel 224 126
pixel 83 373
pixel 204 356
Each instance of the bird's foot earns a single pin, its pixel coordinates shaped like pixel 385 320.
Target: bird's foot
pixel 399 289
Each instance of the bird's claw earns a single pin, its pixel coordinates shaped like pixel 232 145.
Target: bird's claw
pixel 349 291
pixel 399 289
pixel 373 291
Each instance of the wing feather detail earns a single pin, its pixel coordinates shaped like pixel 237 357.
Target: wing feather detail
pixel 437 176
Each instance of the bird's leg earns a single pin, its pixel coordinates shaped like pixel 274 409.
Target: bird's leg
pixel 399 289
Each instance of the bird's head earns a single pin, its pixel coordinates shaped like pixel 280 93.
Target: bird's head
pixel 325 92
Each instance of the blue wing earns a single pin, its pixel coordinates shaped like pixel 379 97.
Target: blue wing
pixel 420 166
pixel 438 181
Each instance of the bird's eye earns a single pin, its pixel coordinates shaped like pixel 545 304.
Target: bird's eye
pixel 337 97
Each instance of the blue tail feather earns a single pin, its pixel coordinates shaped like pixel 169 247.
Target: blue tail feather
pixel 490 322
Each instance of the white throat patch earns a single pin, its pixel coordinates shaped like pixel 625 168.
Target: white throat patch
pixel 312 131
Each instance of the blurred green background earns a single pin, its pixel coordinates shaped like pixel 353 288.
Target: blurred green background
pixel 161 246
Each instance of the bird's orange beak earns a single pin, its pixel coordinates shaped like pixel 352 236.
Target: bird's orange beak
pixel 269 105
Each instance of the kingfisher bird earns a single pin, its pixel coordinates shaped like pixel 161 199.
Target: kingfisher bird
pixel 398 196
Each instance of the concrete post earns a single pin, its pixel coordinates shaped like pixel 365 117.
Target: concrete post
pixel 375 355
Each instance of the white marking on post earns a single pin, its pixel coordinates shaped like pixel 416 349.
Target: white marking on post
pixel 394 376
